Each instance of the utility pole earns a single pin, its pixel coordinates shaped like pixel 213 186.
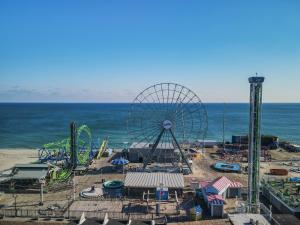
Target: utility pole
pixel 223 127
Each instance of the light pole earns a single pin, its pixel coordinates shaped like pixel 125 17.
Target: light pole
pixel 74 186
pixel 15 197
pixel 68 198
pixel 161 186
pixel 42 183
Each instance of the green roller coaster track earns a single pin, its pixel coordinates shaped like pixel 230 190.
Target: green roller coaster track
pixel 84 139
pixel 83 157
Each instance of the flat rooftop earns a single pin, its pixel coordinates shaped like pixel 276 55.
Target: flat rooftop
pixel 32 165
pixel 244 219
pixel 30 171
pixel 153 180
pixel 25 174
pixel 147 145
pixel 205 222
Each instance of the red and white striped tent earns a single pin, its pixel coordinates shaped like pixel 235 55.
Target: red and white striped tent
pixel 215 199
pixel 219 185
pixel 236 184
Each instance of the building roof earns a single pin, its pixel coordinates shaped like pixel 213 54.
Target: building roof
pixel 217 183
pixel 236 184
pixel 114 222
pixel 137 222
pixel 211 221
pixel 207 141
pixel 204 184
pixel 215 199
pixel 213 190
pixel 244 218
pixel 146 145
pixel 72 223
pixel 211 198
pixel 32 165
pixel 90 222
pixel 152 180
pixel 23 174
pixel 221 184
pixel 217 202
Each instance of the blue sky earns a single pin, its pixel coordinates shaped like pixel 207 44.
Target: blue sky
pixel 109 51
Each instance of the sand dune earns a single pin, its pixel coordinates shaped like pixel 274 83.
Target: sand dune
pixel 10 157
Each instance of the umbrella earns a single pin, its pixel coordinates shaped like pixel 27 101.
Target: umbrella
pixel 119 161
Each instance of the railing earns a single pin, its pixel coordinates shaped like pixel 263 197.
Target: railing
pixel 76 214
pixel 31 213
pixel 115 215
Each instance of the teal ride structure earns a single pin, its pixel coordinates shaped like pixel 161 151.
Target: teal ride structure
pixel 227 167
pixel 113 188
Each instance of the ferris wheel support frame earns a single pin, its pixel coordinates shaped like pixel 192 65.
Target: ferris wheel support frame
pixel 154 147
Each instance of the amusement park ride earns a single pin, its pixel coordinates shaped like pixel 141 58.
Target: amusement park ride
pixel 166 115
pixel 67 154
pixel 61 150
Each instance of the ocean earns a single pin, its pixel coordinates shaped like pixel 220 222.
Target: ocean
pixel 30 125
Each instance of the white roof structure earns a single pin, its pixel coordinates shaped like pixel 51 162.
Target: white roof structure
pixel 30 171
pixel 244 218
pixel 25 174
pixel 153 180
pixel 206 143
pixel 146 145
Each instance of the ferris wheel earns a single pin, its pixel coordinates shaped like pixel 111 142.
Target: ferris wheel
pixel 166 114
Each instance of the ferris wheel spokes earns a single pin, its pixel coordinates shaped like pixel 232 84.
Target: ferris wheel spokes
pixel 164 117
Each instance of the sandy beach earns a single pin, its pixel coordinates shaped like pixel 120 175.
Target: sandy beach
pixel 10 157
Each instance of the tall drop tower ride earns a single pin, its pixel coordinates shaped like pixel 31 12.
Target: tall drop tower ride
pixel 254 143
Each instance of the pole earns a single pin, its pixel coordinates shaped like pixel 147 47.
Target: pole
pixel 68 198
pixel 15 197
pixel 42 194
pixel 74 186
pixel 73 141
pixel 16 205
pixel 223 128
pixel 161 186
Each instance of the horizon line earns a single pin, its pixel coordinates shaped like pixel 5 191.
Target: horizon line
pixel 137 103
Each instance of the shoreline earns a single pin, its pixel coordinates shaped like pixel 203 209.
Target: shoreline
pixel 11 156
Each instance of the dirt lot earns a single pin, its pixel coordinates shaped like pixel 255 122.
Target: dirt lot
pixel 280 159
